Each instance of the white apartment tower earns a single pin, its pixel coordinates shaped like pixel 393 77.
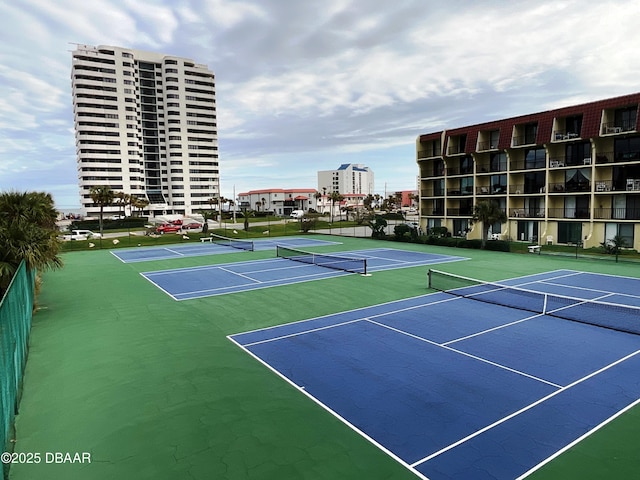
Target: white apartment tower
pixel 348 178
pixel 145 125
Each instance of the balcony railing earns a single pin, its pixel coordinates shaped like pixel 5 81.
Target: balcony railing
pixel 569 187
pixel 459 171
pixel 610 128
pixel 430 192
pixel 523 140
pixel 455 150
pixel 519 189
pixel 560 135
pixel 458 212
pixel 524 165
pixel 568 213
pixel 616 213
pixel 526 212
pixel 453 192
pixel 484 146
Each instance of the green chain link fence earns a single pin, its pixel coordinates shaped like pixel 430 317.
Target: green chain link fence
pixel 16 310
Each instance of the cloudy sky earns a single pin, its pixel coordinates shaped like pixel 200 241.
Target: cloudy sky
pixel 305 85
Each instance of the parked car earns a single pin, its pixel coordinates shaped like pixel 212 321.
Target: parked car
pixel 192 226
pixel 297 214
pixel 81 235
pixel 168 228
pixel 118 217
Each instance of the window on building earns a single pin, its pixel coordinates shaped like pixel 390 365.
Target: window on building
pixel 498 162
pixel 530 133
pixel 569 232
pixel 626 118
pixel 624 230
pixel 534 158
pixel 499 183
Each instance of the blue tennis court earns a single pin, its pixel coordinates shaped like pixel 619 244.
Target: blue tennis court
pixel 145 254
pixel 453 387
pixel 210 280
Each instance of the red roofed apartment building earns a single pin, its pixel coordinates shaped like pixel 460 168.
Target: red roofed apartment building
pixel 568 175
pixel 279 201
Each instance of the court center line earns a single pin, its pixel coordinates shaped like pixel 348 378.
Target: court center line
pixel 494 328
pixel 174 251
pixel 240 274
pixel 522 410
pixel 475 357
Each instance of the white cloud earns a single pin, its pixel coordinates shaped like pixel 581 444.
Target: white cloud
pixel 227 13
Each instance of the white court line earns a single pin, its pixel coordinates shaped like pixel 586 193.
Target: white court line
pixel 265 284
pixel 240 275
pixel 578 440
pixel 174 251
pixel 158 286
pixel 522 410
pixel 366 317
pixel 465 354
pixel 494 328
pixel 589 290
pixel 302 390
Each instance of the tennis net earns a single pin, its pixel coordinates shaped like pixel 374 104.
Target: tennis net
pixel 625 318
pixel 347 264
pixel 232 242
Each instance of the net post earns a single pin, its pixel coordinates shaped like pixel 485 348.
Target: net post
pixel 429 278
pixel 365 266
pixel 544 304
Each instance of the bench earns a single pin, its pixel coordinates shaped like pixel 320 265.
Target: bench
pixel 206 239
pixel 534 248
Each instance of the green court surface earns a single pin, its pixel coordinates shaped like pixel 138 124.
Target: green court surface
pixel 153 389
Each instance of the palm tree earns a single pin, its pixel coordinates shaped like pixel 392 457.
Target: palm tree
pixel 103 196
pixel 368 202
pixel 140 203
pixel 347 209
pixel 487 212
pixel 335 197
pixel 213 201
pixel 317 196
pixel 122 199
pixel 27 232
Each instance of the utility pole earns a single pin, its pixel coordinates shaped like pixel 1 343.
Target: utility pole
pixel 234 203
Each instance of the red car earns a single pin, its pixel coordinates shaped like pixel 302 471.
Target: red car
pixel 168 228
pixel 192 226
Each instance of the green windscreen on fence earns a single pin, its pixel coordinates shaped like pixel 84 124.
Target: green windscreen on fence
pixel 16 310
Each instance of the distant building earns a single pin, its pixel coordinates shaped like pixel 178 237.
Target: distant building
pixel 349 200
pixel 347 179
pixel 279 201
pixel 145 125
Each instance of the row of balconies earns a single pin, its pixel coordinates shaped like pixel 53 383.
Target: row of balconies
pixel 601 187
pixel 554 162
pixel 551 213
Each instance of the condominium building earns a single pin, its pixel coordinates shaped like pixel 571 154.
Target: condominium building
pixel 348 178
pixel 145 125
pixel 569 175
pixel 278 201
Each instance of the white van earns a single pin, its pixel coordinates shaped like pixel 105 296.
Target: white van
pixel 297 214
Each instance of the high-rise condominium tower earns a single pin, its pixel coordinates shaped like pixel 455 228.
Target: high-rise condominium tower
pixel 145 125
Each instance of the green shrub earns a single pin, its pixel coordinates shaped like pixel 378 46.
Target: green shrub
pixel 108 224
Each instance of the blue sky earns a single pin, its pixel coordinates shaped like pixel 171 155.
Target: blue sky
pixel 308 85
